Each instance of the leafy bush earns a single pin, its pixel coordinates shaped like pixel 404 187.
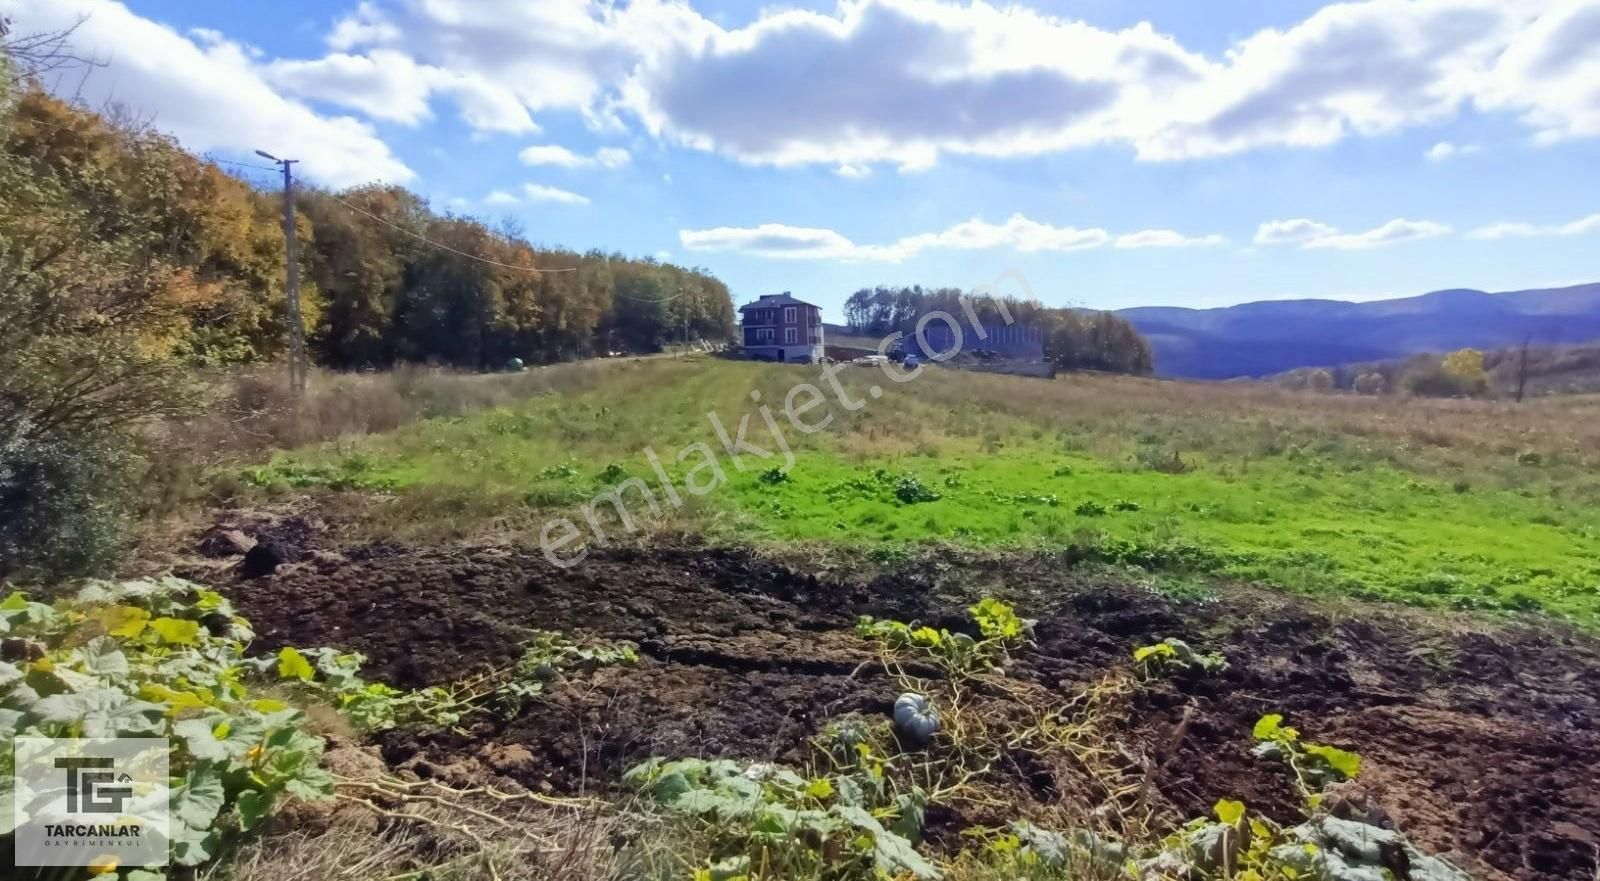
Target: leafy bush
pixel 64 504
pixel 1157 457
pixel 910 491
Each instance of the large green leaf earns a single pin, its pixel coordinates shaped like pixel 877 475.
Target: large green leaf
pixel 199 799
pixel 103 657
pixel 252 807
pixel 199 737
pixel 1343 761
pixel 191 846
pixel 101 712
pixel 293 665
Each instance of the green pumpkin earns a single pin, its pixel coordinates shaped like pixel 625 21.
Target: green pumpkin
pixel 915 718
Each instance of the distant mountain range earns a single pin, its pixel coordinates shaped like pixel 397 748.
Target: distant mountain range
pixel 1260 339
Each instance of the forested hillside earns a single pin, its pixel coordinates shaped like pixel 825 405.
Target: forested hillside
pixel 127 265
pixel 1075 339
pixel 376 290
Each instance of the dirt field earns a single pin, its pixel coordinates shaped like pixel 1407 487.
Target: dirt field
pixel 1482 743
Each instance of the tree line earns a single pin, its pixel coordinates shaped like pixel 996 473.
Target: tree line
pixel 127 264
pixel 1074 339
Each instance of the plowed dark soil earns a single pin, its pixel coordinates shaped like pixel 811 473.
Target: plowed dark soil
pixel 1480 742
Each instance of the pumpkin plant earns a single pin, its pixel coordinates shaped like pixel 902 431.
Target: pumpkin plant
pixel 1174 656
pixel 959 654
pixel 766 821
pixel 1315 765
pixel 159 658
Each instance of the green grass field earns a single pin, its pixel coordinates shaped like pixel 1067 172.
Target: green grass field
pixel 1462 504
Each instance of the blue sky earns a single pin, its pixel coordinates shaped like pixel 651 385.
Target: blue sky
pixel 1113 152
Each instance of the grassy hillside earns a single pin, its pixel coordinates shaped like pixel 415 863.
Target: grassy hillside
pixel 1467 504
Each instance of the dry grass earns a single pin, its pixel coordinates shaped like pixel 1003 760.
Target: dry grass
pixel 1249 420
pixel 388 829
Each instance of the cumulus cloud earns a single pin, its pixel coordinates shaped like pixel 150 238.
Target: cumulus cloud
pixel 1580 227
pixel 1019 233
pixel 210 93
pixel 1166 238
pixel 542 193
pixel 904 82
pixel 384 85
pixel 1445 151
pixel 500 198
pixel 1292 232
pixel 551 154
pixel 1313 235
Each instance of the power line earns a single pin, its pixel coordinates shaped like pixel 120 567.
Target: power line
pixel 421 238
pixel 240 164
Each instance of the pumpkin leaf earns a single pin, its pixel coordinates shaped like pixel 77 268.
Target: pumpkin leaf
pixel 252 807
pixel 293 665
pixel 176 631
pixel 103 658
pixel 1343 761
pixel 196 803
pixel 1160 649
pixel 1229 811
pixel 123 621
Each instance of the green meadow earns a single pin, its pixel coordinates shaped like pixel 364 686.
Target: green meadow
pixel 1476 505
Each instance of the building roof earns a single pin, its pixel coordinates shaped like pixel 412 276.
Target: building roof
pixel 767 301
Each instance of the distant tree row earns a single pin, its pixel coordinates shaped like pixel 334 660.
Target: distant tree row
pixel 387 295
pixel 1075 339
pixel 1460 374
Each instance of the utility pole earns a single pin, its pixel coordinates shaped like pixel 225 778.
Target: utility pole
pixel 297 331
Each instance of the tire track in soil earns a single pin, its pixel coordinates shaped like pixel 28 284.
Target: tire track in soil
pixel 1480 743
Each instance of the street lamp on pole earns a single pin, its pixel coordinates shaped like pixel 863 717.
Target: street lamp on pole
pixel 297 335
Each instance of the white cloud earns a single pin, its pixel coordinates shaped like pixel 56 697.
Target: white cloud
pixel 501 198
pixel 541 193
pixel 1580 227
pixel 1291 232
pixel 1019 233
pixel 612 157
pixel 1444 151
pixel 1166 238
pixel 904 82
pixel 1313 235
pixel 772 240
pixel 214 96
pixel 384 85
pixel 1550 72
pixel 552 154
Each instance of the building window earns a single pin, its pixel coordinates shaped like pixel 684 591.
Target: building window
pixel 791 335
pixel 764 334
pixel 788 315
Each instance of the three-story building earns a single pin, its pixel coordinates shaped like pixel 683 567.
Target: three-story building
pixel 779 327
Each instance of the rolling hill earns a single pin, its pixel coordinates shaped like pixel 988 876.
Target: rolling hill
pixel 1264 338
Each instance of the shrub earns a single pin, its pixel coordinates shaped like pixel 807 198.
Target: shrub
pixel 1159 457
pixel 64 505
